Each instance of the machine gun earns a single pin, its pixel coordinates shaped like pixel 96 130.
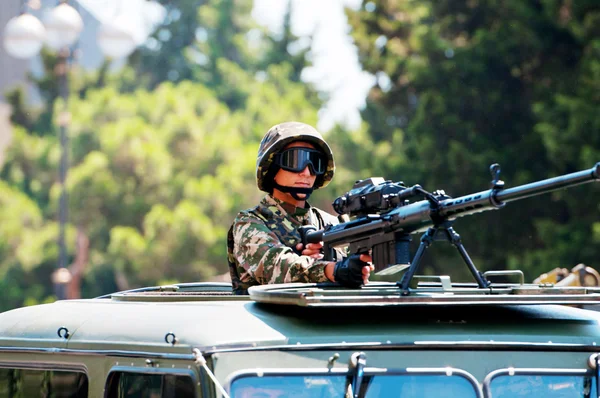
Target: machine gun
pixel 385 218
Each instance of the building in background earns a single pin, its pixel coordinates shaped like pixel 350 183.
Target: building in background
pixel 12 70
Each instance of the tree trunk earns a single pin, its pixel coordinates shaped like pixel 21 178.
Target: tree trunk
pixel 79 264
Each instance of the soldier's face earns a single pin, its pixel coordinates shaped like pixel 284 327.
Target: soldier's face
pixel 303 179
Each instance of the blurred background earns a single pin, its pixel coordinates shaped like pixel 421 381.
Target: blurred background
pixel 129 129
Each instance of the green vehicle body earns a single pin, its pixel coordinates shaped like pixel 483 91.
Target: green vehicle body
pixel 307 332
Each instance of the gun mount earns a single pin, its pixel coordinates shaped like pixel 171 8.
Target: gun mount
pixel 385 218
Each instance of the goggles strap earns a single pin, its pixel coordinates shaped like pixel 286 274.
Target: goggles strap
pixel 294 191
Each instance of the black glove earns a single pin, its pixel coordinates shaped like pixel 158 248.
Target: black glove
pixel 348 272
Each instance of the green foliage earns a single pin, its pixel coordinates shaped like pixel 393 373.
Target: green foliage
pixel 462 85
pixel 207 41
pixel 39 120
pixel 156 178
pixel 166 58
pixel 286 48
pixel 162 153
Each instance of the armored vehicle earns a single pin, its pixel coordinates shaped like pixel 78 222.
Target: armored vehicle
pixel 410 337
pixel 198 340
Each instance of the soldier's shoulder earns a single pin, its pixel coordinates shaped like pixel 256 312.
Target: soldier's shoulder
pixel 249 217
pixel 246 215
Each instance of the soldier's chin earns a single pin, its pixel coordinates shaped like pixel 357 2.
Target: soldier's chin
pixel 301 196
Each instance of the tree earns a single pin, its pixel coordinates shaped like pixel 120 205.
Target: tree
pixel 162 153
pixel 204 41
pixel 156 179
pixel 286 48
pixel 165 56
pixel 462 85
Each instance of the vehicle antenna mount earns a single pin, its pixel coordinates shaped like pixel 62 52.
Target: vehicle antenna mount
pixel 201 361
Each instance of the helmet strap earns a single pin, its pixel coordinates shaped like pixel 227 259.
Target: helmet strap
pixel 294 191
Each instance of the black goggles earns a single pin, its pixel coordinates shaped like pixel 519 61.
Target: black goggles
pixel 296 159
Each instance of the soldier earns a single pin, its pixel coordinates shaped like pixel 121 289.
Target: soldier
pixel 263 243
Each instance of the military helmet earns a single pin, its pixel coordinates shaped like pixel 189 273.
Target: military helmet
pixel 276 139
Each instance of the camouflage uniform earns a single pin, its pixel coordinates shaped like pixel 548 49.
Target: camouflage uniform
pixel 261 242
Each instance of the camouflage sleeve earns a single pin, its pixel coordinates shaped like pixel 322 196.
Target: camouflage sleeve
pixel 266 259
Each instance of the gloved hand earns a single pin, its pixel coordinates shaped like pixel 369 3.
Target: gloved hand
pixel 348 272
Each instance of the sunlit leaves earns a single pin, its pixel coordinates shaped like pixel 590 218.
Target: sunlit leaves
pixel 162 153
pixel 156 177
pixel 478 82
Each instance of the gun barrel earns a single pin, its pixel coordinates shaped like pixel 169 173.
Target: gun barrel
pixel 550 184
pixel 490 199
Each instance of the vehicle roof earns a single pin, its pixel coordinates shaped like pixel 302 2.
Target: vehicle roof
pixel 215 323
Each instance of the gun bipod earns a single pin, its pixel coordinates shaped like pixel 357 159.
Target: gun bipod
pixel 448 233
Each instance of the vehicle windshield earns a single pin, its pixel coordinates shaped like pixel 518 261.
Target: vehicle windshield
pixel 547 386
pixel 334 386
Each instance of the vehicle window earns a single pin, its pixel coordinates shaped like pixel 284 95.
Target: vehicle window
pixel 377 386
pixel 547 386
pixel 31 383
pixel 139 385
